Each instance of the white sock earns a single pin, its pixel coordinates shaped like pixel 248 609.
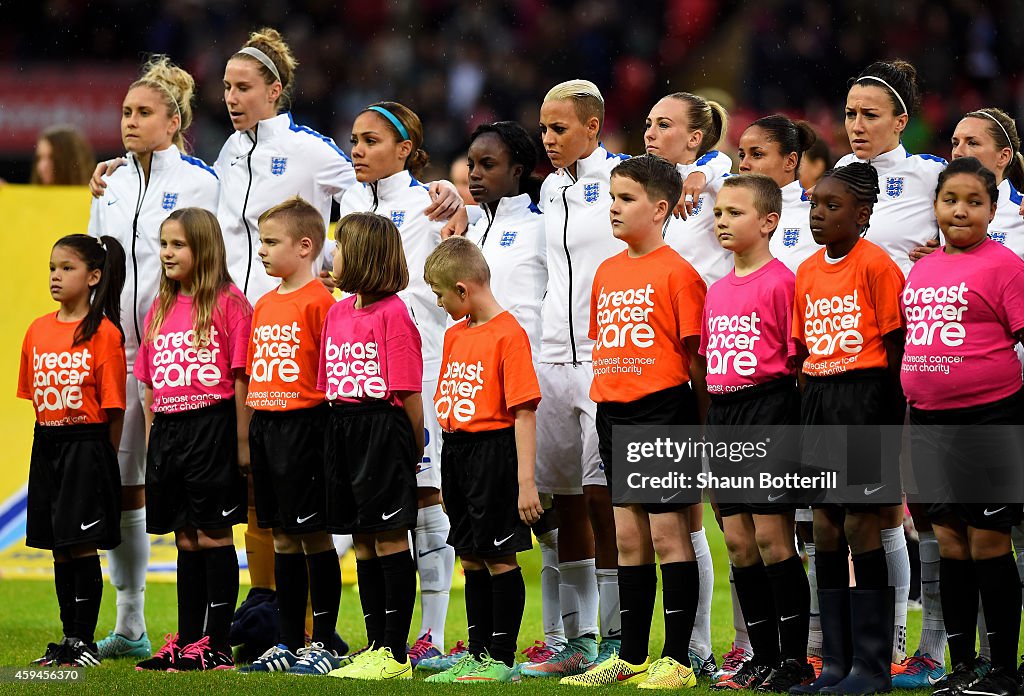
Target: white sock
pixel 700 639
pixel 933 630
pixel 127 566
pixel 814 632
pixel 739 624
pixel 435 561
pixel 550 579
pixel 608 591
pixel 342 543
pixel 984 649
pixel 580 576
pixel 897 559
pixel 569 601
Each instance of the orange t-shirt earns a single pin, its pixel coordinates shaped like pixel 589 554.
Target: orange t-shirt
pixel 843 309
pixel 284 348
pixel 641 309
pixel 486 371
pixel 68 384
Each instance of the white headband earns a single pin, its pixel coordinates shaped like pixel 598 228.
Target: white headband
pixel 263 58
pixel 996 120
pixel 878 79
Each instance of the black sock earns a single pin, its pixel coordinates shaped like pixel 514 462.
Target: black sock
pixel 755 594
pixel 479 612
pixel 64 582
pixel 792 597
pixel 833 569
pixel 508 600
pixel 292 589
pixel 680 589
pixel 958 590
pixel 88 595
pixel 871 571
pixel 999 587
pixel 221 594
pixel 324 594
pixel 400 599
pixel 638 588
pixel 371 599
pixel 191 596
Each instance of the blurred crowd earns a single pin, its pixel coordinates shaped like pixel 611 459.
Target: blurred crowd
pixel 462 63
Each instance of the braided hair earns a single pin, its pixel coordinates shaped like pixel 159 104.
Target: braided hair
pixel 861 180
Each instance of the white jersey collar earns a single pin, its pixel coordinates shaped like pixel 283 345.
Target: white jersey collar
pixel 509 206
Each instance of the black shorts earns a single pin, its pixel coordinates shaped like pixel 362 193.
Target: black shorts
pixel 480 485
pixel 286 450
pixel 74 488
pixel 748 415
pixel 370 468
pixel 856 398
pixel 959 462
pixel 192 475
pixel 673 406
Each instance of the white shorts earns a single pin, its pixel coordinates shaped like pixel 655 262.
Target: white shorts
pixel 567 454
pixel 428 473
pixel 804 514
pixel 131 455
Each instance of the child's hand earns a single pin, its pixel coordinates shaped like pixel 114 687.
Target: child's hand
pixel 530 508
pixel 243 458
pixel 445 201
pixel 328 280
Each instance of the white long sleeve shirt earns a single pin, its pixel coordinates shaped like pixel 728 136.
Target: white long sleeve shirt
pixel 792 242
pixel 1008 226
pixel 694 238
pixel 132 210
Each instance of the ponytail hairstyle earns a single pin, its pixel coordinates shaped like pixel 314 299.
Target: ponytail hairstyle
pixel 73 159
pixel 177 89
pixel 973 166
pixel 409 127
pixel 899 79
pixel 521 151
pixel 708 117
pixel 789 135
pixel 861 179
pixel 107 256
pixel 210 276
pixel 271 44
pixel 1004 132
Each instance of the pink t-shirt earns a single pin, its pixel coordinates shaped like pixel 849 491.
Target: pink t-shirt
pixel 745 332
pixel 961 311
pixel 369 353
pixel 184 377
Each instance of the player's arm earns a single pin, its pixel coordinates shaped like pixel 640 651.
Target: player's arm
pixel 115 418
pixel 243 414
pixel 530 508
pixel 96 183
pixel 698 376
pixel 445 202
pixel 412 404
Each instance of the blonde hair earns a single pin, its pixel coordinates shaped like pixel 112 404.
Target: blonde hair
pixel 585 97
pixel 271 42
pixel 372 257
pixel 1004 133
pixel 300 219
pixel 707 116
pixel 210 276
pixel 175 86
pixel 456 259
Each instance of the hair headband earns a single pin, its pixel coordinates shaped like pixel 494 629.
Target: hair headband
pixel 878 79
pixel 263 58
pixel 393 119
pixel 996 120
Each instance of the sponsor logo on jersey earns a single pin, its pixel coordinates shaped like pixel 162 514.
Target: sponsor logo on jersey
pixel 398 217
pixel 170 200
pixel 58 379
pixel 459 385
pixel 998 237
pixel 178 362
pixel 354 370
pixel 894 186
pixel 732 340
pixel 277 346
pixel 832 327
pixel 790 236
pixel 508 237
pixel 935 315
pixel 591 192
pixel 278 165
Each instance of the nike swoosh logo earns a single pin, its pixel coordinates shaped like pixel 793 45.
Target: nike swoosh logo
pixel 85 599
pixel 421 554
pixel 366 616
pixel 87 526
pixel 616 632
pixel 218 604
pixel 787 618
pixel 423 468
pixel 754 623
pixel 385 516
pixel 499 543
pixel 773 498
pixel 469 627
pixel 495 635
pixel 870 491
pixel 225 513
pixel 566 616
pixel 623 676
pixel 935 680
pixel 301 520
pixel 623 611
pixel 670 611
pixel 390 611
pixel 319 613
pixel 111 202
pixel 989 513
pixel 665 499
